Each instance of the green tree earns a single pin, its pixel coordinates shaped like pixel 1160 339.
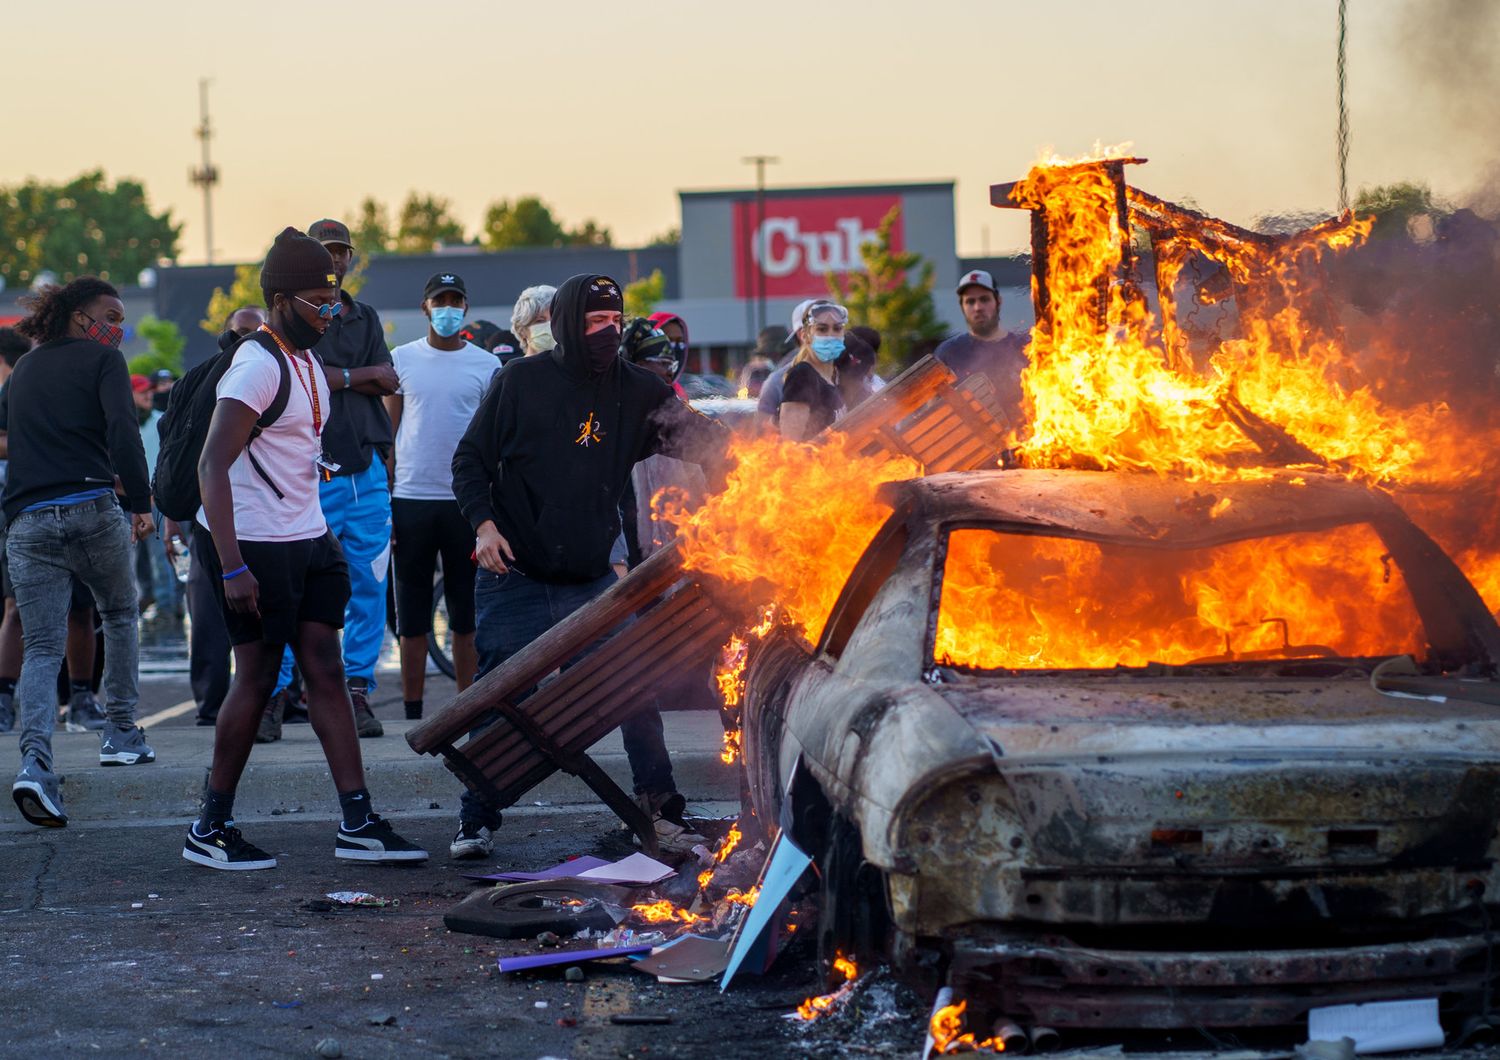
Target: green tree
pixel 245 290
pixel 670 238
pixel 642 296
pixel 1395 206
pixel 529 222
pixel 886 298
pixel 426 224
pixel 372 232
pixel 166 343
pixel 84 227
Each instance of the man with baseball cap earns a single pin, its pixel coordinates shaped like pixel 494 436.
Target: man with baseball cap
pixel 986 348
pixel 354 488
pixel 443 377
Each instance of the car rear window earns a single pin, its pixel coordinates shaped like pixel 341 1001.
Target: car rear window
pixel 1021 602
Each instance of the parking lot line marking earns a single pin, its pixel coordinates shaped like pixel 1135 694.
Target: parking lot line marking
pixel 185 707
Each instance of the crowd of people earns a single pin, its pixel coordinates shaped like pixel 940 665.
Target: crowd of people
pixel 305 463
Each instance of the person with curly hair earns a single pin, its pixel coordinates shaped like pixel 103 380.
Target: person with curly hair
pixel 73 431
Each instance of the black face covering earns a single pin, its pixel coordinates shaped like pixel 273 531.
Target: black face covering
pixel 301 334
pixel 604 347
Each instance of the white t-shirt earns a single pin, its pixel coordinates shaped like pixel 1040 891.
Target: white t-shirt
pixel 288 450
pixel 440 389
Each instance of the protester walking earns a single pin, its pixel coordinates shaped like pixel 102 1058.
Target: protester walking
pixel 539 474
pixel 283 579
pixel 442 377
pixel 355 488
pixel 71 427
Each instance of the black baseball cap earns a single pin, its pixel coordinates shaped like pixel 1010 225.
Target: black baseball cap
pixel 444 281
pixel 330 231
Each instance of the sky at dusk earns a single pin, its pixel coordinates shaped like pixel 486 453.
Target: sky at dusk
pixel 607 110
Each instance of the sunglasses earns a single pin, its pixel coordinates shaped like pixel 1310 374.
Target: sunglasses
pixel 327 312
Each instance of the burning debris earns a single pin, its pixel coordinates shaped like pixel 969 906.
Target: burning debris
pixel 816 1007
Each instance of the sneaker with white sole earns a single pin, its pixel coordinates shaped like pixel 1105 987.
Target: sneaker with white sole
pixel 84 713
pixel 472 841
pixel 124 746
pixel 224 848
pixel 375 840
pixel 38 794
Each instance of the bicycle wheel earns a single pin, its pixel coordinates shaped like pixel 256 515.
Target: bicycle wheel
pixel 440 638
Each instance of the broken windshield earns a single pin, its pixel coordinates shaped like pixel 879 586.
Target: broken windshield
pixel 1022 602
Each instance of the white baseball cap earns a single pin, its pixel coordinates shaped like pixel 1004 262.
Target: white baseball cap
pixel 801 311
pixel 976 278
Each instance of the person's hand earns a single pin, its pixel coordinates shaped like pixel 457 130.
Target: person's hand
pixel 491 550
pixel 380 378
pixel 172 533
pixel 242 593
pixel 142 526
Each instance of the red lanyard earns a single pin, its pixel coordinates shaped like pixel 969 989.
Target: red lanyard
pixel 312 394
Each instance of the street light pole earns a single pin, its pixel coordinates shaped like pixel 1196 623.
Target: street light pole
pixel 206 176
pixel 760 162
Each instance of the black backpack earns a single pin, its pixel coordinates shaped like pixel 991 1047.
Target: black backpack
pixel 184 427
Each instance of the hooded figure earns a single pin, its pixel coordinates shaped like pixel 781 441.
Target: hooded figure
pixel 548 453
pixel 679 347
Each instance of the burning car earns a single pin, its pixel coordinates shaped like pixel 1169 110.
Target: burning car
pixel 1113 750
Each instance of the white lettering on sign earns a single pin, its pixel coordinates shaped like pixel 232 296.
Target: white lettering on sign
pixel 782 248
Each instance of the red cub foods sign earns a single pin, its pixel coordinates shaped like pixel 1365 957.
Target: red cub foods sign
pixel 802 239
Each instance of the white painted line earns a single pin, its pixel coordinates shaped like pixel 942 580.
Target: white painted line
pixel 185 707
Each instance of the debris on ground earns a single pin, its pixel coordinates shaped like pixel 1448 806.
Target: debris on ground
pixel 361 898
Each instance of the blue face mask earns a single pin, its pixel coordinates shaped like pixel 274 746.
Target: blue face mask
pixel 827 349
pixel 446 320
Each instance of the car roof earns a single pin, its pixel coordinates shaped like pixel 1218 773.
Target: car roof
pixel 1143 508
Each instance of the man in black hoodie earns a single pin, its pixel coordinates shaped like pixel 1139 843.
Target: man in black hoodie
pixel 539 475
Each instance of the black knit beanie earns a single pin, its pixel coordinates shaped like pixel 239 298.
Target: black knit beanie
pixel 297 262
pixel 603 294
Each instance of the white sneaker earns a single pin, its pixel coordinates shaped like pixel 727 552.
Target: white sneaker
pixel 472 842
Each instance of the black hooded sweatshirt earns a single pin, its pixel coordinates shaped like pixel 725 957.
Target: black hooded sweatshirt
pixel 549 451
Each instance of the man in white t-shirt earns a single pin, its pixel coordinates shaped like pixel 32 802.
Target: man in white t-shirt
pixel 443 378
pixel 282 576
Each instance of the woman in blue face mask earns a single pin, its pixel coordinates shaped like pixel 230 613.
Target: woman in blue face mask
pixel 810 399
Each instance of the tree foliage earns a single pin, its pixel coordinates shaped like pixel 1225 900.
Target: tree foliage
pixel 529 222
pixel 1395 206
pixel 426 224
pixel 886 298
pixel 372 231
pixel 166 344
pixel 84 227
pixel 642 296
pixel 245 290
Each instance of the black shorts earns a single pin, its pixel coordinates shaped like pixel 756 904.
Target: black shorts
pixel 299 581
pixel 422 531
pixel 80 600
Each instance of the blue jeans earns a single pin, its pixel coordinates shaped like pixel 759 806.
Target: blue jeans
pixel 358 510
pixel 510 611
pixel 46 548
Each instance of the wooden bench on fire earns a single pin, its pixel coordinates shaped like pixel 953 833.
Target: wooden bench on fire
pixel 524 721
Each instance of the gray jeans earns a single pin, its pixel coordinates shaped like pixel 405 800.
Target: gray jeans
pixel 45 548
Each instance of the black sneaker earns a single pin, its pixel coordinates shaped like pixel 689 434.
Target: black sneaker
pixel 375 840
pixel 472 841
pixel 224 848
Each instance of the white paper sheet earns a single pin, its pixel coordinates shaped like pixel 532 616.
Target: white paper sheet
pixel 637 868
pixel 1380 1026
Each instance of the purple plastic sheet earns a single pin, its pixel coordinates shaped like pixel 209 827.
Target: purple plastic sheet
pixel 546 960
pixel 556 872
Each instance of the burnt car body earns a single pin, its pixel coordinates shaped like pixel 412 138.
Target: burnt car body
pixel 1227 843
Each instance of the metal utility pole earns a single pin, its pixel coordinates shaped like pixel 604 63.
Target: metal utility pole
pixel 206 176
pixel 760 162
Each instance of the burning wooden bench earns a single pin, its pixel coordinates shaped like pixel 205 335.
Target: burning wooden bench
pixel 547 705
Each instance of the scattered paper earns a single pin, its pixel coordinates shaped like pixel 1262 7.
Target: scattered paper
pixel 687 959
pixel 546 960
pixel 784 867
pixel 637 868
pixel 1380 1026
pixel 568 868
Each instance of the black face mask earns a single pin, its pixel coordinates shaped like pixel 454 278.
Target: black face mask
pixel 603 347
pixel 301 334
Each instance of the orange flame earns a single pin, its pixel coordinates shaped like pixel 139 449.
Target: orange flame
pixel 947 1030
pixel 823 1004
pixel 744 898
pixel 664 912
pixel 1013 602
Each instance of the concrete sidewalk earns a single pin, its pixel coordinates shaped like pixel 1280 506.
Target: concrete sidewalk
pixel 290 776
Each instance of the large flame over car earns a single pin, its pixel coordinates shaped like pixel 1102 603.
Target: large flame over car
pixel 1111 385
